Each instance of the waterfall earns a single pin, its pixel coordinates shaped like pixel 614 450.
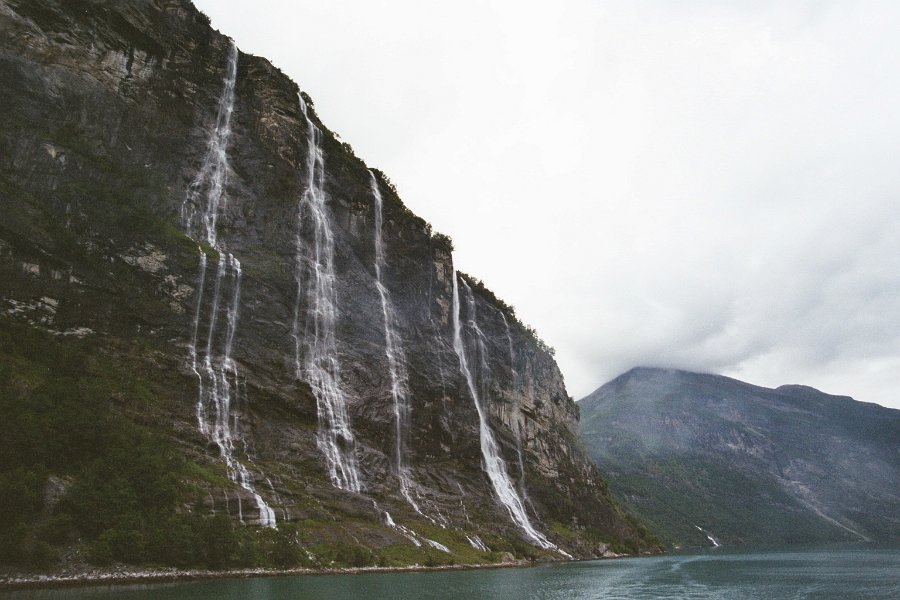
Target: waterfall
pixel 396 360
pixel 476 543
pixel 491 460
pixel 408 533
pixel 208 186
pixel 516 422
pixel 709 536
pixel 195 327
pixel 217 378
pixel 315 345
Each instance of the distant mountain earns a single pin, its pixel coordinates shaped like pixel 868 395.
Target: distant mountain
pixel 706 459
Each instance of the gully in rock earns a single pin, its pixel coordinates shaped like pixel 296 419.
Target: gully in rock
pixel 217 373
pixel 492 462
pixel 315 345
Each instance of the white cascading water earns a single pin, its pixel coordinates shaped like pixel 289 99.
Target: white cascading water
pixel 216 372
pixel 408 533
pixel 709 536
pixel 315 344
pixel 396 361
pixel 195 328
pixel 517 412
pixel 491 461
pixel 476 543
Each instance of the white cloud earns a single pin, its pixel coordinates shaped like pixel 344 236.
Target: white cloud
pixel 702 185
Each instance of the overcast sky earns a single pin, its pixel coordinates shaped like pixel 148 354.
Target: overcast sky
pixel 704 185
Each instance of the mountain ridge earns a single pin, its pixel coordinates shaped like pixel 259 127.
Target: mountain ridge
pixel 691 450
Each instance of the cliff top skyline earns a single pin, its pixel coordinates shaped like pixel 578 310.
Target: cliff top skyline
pixel 708 187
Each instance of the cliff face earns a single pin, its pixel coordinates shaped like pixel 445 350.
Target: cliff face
pixel 210 253
pixel 704 456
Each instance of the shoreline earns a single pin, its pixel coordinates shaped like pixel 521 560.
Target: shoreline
pixel 123 576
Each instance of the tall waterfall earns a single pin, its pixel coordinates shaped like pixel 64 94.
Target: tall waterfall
pixel 217 372
pixel 492 462
pixel 516 422
pixel 396 361
pixel 315 345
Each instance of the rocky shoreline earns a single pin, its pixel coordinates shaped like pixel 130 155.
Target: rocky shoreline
pixel 124 575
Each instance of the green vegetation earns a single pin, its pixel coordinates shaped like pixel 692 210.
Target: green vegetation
pixel 385 180
pixel 116 479
pixel 76 470
pixel 108 483
pixel 514 545
pixel 360 543
pixel 341 159
pixel 478 286
pixel 734 506
pixel 749 465
pixel 441 239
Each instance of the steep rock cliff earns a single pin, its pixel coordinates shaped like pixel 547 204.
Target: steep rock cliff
pixel 120 131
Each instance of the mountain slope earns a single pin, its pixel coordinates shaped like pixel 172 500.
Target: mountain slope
pixel 700 455
pixel 214 314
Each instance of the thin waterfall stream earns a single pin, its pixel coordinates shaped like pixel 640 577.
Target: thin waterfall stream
pixel 492 462
pixel 315 344
pixel 396 358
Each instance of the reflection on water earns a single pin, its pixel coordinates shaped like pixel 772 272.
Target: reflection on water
pixel 844 573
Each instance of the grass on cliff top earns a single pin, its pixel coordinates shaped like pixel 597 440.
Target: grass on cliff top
pixel 528 331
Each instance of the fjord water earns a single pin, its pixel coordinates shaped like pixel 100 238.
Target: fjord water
pixel 844 573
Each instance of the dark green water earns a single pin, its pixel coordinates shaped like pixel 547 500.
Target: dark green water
pixel 832 573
